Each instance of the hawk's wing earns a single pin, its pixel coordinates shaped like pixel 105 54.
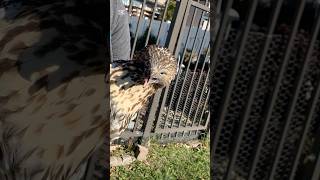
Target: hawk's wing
pixel 52 90
pixel 127 93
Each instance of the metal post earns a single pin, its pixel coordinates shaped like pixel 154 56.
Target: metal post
pixel 151 117
pixel 176 24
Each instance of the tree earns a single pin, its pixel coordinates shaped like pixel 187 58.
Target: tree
pixel 170 10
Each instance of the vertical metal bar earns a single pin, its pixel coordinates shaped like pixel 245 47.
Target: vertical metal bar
pixel 270 106
pixel 207 121
pixel 316 171
pixel 151 116
pixel 313 171
pixel 310 113
pixel 138 29
pixel 187 41
pixel 221 32
pixel 162 20
pixel 162 106
pixel 235 69
pixel 215 9
pixel 130 9
pixel 181 62
pixel 178 44
pixel 195 68
pixel 201 94
pixel 183 7
pixel 253 88
pixel 187 71
pixel 150 24
pixel 165 96
pixel 179 17
pixel 315 98
pixel 216 48
pixel 204 107
pixel 240 131
pixel 188 36
pixel 197 87
pixel 161 109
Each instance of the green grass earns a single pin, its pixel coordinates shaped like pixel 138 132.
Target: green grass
pixel 171 161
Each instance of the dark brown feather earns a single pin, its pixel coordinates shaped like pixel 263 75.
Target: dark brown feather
pixel 128 91
pixel 52 95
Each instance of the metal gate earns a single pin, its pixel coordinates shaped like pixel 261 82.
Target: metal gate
pixel 264 85
pixel 179 112
pixel 265 89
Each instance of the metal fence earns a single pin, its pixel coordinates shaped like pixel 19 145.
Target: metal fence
pixel 179 112
pixel 265 89
pixel 264 84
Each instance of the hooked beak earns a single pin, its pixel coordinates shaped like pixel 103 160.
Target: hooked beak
pixel 152 80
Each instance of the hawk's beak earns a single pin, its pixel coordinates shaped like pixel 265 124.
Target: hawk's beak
pixel 151 80
pixel 154 80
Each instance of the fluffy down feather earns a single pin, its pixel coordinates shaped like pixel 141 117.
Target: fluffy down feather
pixel 133 82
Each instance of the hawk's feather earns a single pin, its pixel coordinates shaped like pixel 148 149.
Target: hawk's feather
pixel 52 106
pixel 52 95
pixel 133 82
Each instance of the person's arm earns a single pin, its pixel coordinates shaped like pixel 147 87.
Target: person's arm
pixel 120 34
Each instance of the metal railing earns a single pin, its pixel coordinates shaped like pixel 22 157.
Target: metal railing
pixel 181 110
pixel 262 85
pixel 265 83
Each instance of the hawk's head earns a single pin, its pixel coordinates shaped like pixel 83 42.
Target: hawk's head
pixel 162 64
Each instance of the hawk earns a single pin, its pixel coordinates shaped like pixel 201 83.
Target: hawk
pixel 53 93
pixel 133 82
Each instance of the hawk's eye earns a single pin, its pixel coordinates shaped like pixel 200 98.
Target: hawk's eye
pixel 163 73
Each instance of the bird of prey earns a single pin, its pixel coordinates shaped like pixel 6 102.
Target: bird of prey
pixel 52 87
pixel 133 82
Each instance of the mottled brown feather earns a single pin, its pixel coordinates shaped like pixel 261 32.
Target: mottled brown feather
pixel 52 83
pixel 127 90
